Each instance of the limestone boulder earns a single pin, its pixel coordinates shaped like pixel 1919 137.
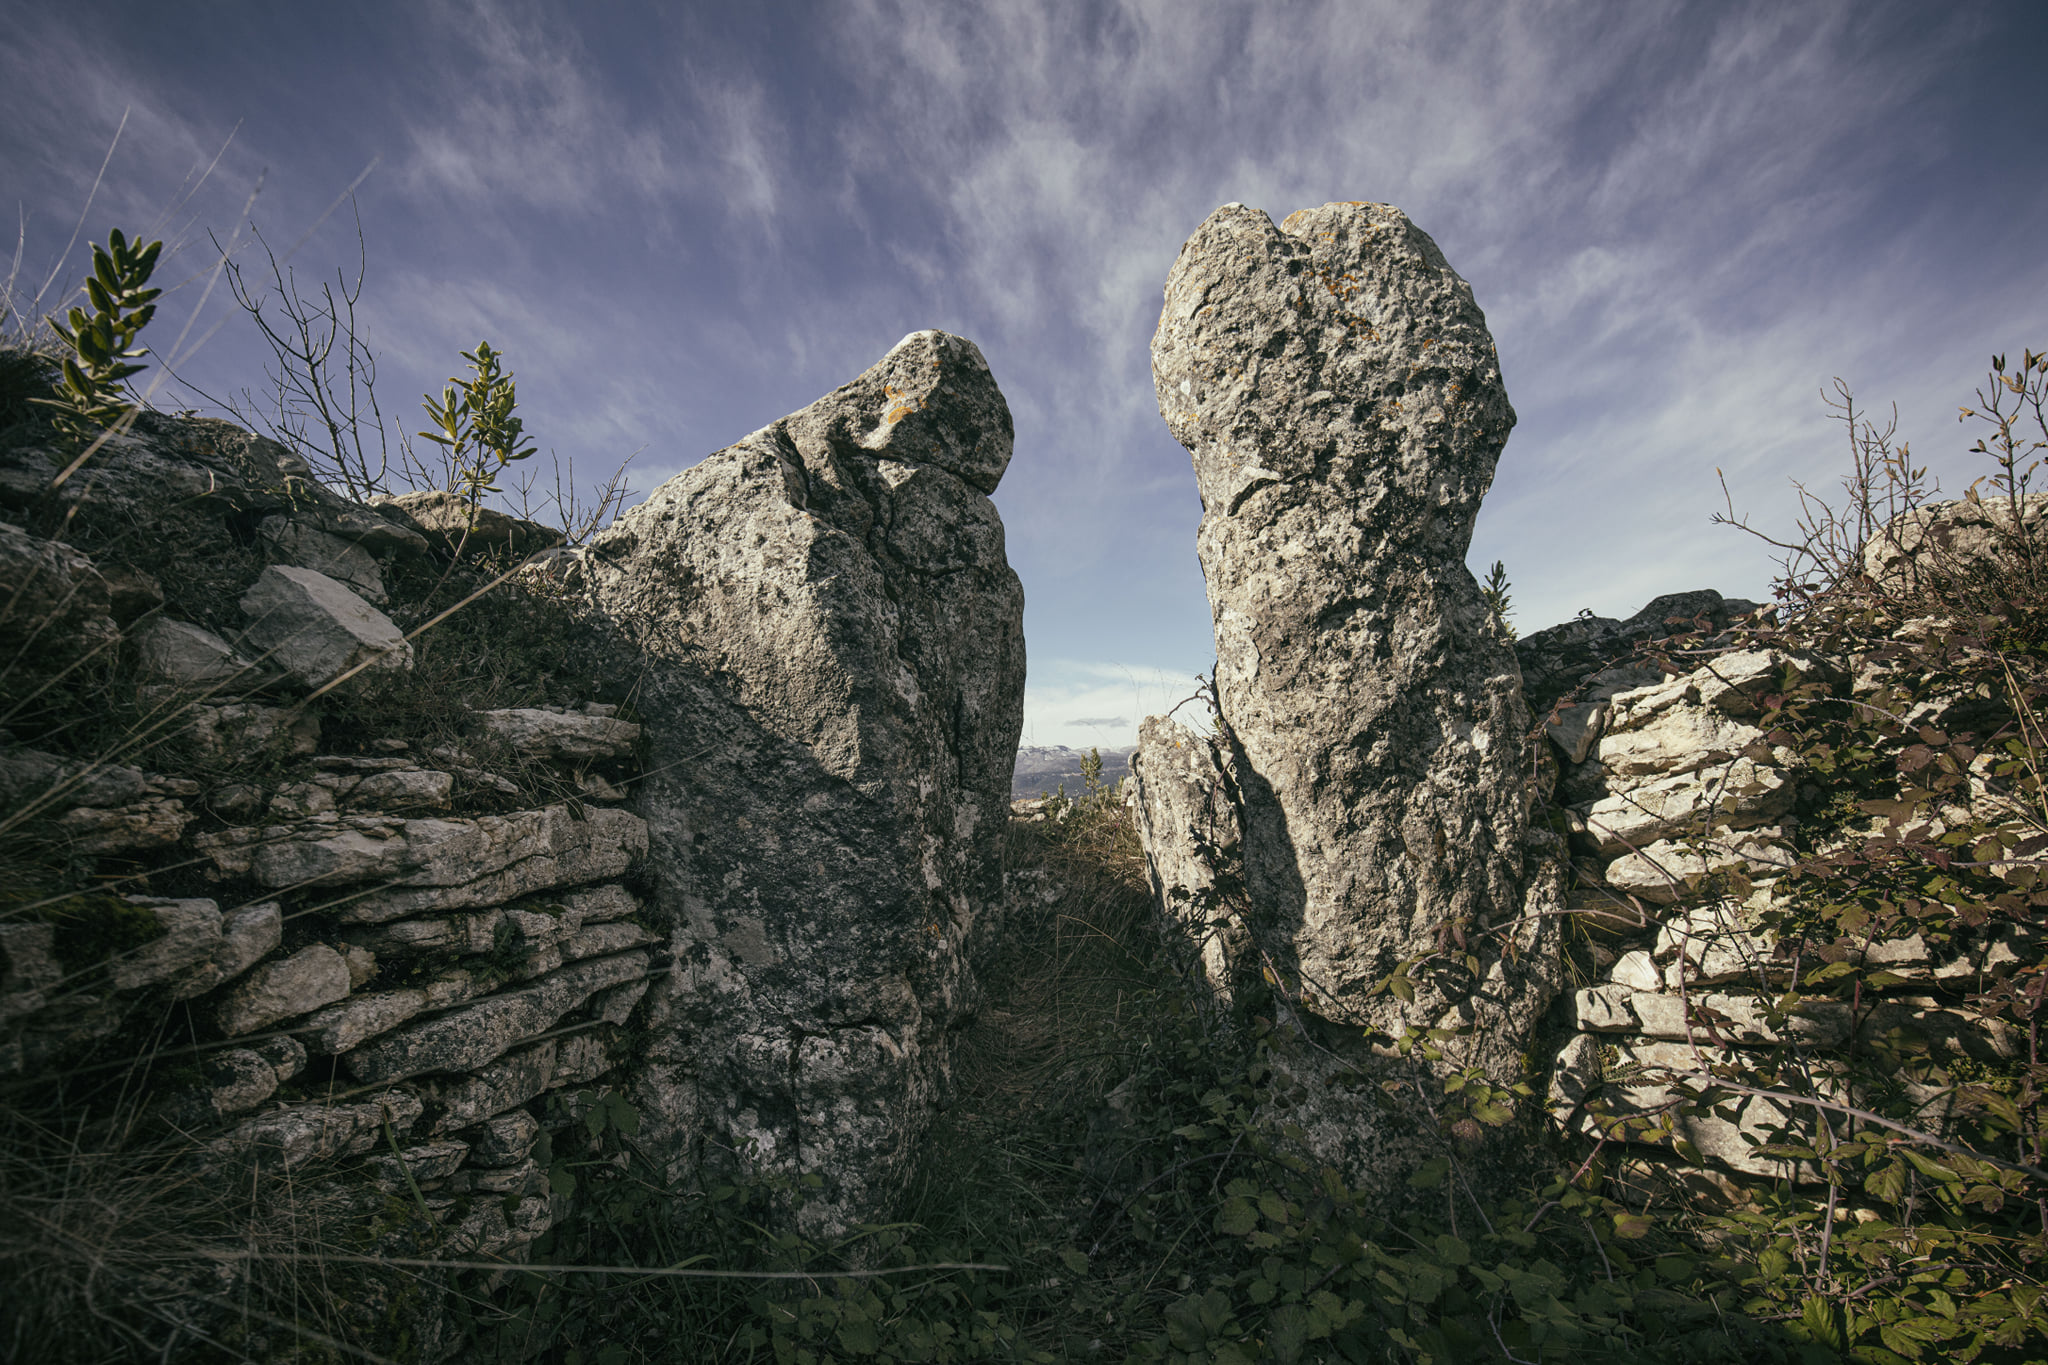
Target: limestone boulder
pixel 1659 731
pixel 1667 870
pixel 284 988
pixel 243 728
pixel 435 864
pixel 342 1027
pixel 565 736
pixel 401 788
pixel 1560 661
pixel 237 1080
pixel 305 545
pixel 1335 383
pixel 304 1133
pixel 188 478
pixel 188 656
pixel 491 1090
pixel 153 822
pixel 1947 540
pixel 30 777
pixel 54 604
pixel 832 694
pixel 448 520
pixel 505 1140
pixel 1732 795
pixel 198 947
pixel 1187 825
pixel 1641 1078
pixel 465 1039
pixel 316 629
pixel 29 969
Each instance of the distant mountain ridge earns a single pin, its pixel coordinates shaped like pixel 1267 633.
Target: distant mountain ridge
pixel 1043 767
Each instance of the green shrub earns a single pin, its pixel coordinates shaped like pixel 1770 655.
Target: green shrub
pixel 91 393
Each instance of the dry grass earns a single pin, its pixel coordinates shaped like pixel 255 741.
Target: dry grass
pixel 1008 1177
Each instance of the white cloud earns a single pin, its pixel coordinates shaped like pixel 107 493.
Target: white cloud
pixel 1084 704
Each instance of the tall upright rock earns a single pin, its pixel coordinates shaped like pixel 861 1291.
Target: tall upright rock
pixel 1341 397
pixel 833 693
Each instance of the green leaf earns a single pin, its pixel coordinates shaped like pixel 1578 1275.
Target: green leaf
pixel 1076 1262
pixel 1287 1331
pixel 1931 1168
pixel 1452 1250
pixel 1632 1226
pixel 857 1334
pixel 620 1114
pixel 1237 1218
pixel 1822 1320
pixel 1430 1173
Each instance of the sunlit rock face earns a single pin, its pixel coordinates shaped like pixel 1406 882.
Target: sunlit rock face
pixel 833 691
pixel 1340 394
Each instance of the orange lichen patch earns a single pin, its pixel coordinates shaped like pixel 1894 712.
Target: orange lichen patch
pixel 898 414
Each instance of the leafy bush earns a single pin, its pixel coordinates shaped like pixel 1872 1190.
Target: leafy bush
pixel 1919 1226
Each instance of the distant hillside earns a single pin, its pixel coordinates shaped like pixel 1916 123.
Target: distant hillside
pixel 1042 768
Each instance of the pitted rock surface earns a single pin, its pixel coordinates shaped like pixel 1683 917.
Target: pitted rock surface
pixel 1185 811
pixel 1338 390
pixel 835 664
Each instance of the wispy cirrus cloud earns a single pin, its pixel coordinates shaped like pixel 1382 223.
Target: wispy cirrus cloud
pixel 682 222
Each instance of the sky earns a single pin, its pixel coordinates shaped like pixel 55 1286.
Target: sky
pixel 681 221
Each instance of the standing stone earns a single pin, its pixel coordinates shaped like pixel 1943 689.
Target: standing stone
pixel 1341 397
pixel 833 690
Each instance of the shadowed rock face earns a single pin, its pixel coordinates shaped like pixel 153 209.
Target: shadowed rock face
pixel 1341 397
pixel 834 650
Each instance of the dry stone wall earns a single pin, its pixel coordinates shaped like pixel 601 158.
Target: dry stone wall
pixel 1667 783
pixel 735 880
pixel 392 954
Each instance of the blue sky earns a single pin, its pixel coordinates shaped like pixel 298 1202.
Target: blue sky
pixel 681 221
